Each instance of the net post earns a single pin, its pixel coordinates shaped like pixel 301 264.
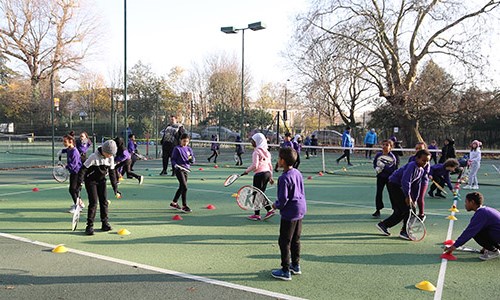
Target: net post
pixel 323 160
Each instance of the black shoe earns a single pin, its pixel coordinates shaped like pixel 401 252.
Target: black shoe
pixel 430 194
pixel 163 173
pixel 106 226
pixel 89 230
pixel 376 214
pixel 349 164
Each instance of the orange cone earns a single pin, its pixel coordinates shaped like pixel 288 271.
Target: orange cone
pixel 176 218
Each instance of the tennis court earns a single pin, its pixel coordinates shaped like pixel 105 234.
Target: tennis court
pixel 343 254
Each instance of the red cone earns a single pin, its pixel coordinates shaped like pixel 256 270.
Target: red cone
pixel 320 173
pixel 309 178
pixel 449 242
pixel 216 166
pixel 448 256
pixel 210 206
pixel 200 169
pixel 35 189
pixel 176 218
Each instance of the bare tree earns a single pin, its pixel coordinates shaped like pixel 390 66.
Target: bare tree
pixel 45 35
pixel 396 36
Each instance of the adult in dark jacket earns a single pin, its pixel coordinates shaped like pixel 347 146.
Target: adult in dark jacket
pixel 448 151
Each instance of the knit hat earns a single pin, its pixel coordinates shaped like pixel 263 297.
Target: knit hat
pixel 109 147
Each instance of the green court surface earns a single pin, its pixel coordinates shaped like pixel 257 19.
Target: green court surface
pixel 343 254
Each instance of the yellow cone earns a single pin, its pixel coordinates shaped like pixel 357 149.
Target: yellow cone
pixel 60 249
pixel 123 231
pixel 425 286
pixel 454 209
pixel 450 217
pixel 234 195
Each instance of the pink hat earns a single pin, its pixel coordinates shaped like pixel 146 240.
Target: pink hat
pixel 479 144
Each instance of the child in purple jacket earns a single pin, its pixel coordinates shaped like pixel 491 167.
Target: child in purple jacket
pixel 182 158
pixel 292 205
pixel 73 165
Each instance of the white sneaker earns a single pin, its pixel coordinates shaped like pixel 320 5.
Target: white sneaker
pixel 475 187
pixel 487 255
pixel 467 187
pixel 72 209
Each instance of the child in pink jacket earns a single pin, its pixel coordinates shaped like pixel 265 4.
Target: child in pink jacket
pixel 262 168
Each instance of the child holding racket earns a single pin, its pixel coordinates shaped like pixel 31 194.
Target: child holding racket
pixel 384 164
pixel 123 160
pixel 425 181
pixel 93 173
pixel 182 158
pixel 262 167
pixel 291 202
pixel 474 163
pixel 73 165
pixel 484 228
pixel 440 174
pixel 404 186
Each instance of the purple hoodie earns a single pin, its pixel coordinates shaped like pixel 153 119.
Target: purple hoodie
pixel 410 178
pixel 182 156
pixel 485 218
pixel 291 196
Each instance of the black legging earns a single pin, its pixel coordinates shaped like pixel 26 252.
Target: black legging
pixel 182 177
pixel 74 188
pixel 214 153
pixel 401 211
pixel 166 152
pixel 126 168
pixel 484 239
pixel 260 181
pixel 381 183
pixel 96 191
pixel 347 154
pixel 441 182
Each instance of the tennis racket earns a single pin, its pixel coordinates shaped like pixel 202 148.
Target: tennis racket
pixel 415 227
pixel 140 156
pixel 231 179
pixel 465 249
pixel 496 169
pixel 250 197
pixel 76 217
pixel 60 173
pixel 439 187
pixel 182 168
pixel 382 161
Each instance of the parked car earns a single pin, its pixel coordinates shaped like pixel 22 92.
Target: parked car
pixel 269 134
pixel 328 137
pixel 224 133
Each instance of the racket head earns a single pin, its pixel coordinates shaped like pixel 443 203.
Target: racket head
pixel 76 217
pixel 384 160
pixel 251 198
pixel 183 169
pixel 415 227
pixel 232 178
pixel 60 173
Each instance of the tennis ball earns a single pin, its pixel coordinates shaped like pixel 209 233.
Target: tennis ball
pixel 485 174
pixel 109 202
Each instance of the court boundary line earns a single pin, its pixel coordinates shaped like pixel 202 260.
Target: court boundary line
pixel 158 270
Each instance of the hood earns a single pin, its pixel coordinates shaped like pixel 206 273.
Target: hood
pixel 260 141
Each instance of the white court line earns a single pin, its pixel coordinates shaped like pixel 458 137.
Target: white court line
pixel 30 191
pixel 27 182
pixel 159 270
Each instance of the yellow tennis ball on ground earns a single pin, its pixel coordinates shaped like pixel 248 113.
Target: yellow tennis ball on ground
pixel 234 195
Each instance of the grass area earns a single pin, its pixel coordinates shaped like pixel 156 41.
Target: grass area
pixel 343 254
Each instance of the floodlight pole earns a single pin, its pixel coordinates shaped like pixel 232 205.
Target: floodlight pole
pixel 125 70
pixel 254 27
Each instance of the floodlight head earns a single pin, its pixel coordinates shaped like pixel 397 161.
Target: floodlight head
pixel 229 29
pixel 257 26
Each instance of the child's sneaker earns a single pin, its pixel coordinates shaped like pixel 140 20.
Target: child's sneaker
pixel 269 214
pixel 280 274
pixel 376 214
pixel 467 187
pixel 404 236
pixel 89 230
pixel 381 227
pixel 295 269
pixel 254 217
pixel 141 179
pixel 475 187
pixel 72 209
pixel 487 255
pixel 105 226
pixel 186 209
pixel 175 205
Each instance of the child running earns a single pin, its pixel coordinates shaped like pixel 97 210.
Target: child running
pixel 239 151
pixel 404 186
pixel 73 165
pixel 292 205
pixel 123 160
pixel 214 148
pixel 182 158
pixel 440 173
pixel 93 173
pixel 475 164
pixel 262 167
pixel 384 169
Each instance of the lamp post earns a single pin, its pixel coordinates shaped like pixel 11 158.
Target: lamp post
pixel 230 29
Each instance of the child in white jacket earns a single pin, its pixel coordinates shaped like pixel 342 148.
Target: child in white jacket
pixel 474 164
